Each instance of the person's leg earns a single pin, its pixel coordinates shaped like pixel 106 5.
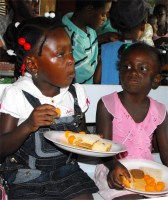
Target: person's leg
pixel 130 197
pixel 84 197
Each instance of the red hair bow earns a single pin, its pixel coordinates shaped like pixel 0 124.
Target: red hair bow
pixel 26 45
pixel 22 69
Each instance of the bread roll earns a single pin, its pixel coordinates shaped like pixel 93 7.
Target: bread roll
pixel 90 141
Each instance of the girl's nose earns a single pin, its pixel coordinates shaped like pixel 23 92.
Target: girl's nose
pixel 134 71
pixel 71 60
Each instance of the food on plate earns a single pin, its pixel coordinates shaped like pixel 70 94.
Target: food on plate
pixel 145 179
pixel 125 181
pixel 156 173
pixel 82 132
pixel 68 133
pixel 101 145
pixel 71 139
pixel 88 141
pixel 160 186
pixel 137 173
pixel 137 176
pixel 58 111
pixel 152 185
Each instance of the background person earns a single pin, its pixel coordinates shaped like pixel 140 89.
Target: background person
pixel 81 27
pixel 129 18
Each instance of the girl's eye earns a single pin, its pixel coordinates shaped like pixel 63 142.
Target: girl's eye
pixel 143 68
pixel 126 67
pixel 60 55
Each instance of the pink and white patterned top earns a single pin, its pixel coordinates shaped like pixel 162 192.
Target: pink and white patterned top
pixel 136 137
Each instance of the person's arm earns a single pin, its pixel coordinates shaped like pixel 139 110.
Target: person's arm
pixel 108 37
pixel 104 128
pixel 162 140
pixel 98 73
pixel 103 121
pixel 13 136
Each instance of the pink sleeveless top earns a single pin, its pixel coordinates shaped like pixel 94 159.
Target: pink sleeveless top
pixel 136 137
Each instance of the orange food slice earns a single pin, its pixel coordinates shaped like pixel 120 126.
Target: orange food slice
pixel 58 111
pixel 160 186
pixel 71 139
pixel 146 177
pixel 150 188
pixel 67 133
pixel 82 132
pixel 125 181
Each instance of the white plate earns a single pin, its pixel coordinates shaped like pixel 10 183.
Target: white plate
pixel 136 163
pixel 58 138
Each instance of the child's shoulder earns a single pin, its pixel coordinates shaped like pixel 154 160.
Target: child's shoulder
pixel 110 99
pixel 157 104
pixel 112 45
pixel 157 108
pixel 11 92
pixel 80 89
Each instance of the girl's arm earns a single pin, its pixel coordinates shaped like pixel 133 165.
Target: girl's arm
pixel 98 72
pixel 162 140
pixel 12 136
pixel 103 121
pixel 104 128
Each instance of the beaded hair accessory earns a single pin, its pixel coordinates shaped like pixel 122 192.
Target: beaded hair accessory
pixel 49 14
pixel 17 24
pixel 10 52
pixel 26 45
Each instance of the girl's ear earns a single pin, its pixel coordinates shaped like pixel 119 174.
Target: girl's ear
pixel 156 81
pixel 31 65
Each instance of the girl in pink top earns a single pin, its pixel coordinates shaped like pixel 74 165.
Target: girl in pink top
pixel 131 117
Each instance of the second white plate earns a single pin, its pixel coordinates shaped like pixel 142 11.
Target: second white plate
pixel 136 163
pixel 58 138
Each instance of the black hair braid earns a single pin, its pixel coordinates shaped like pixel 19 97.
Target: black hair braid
pixel 19 61
pixel 10 36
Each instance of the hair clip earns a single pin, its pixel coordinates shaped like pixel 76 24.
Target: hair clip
pixel 22 69
pixel 17 24
pixel 123 48
pixel 127 45
pixel 49 14
pixel 26 45
pixel 10 52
